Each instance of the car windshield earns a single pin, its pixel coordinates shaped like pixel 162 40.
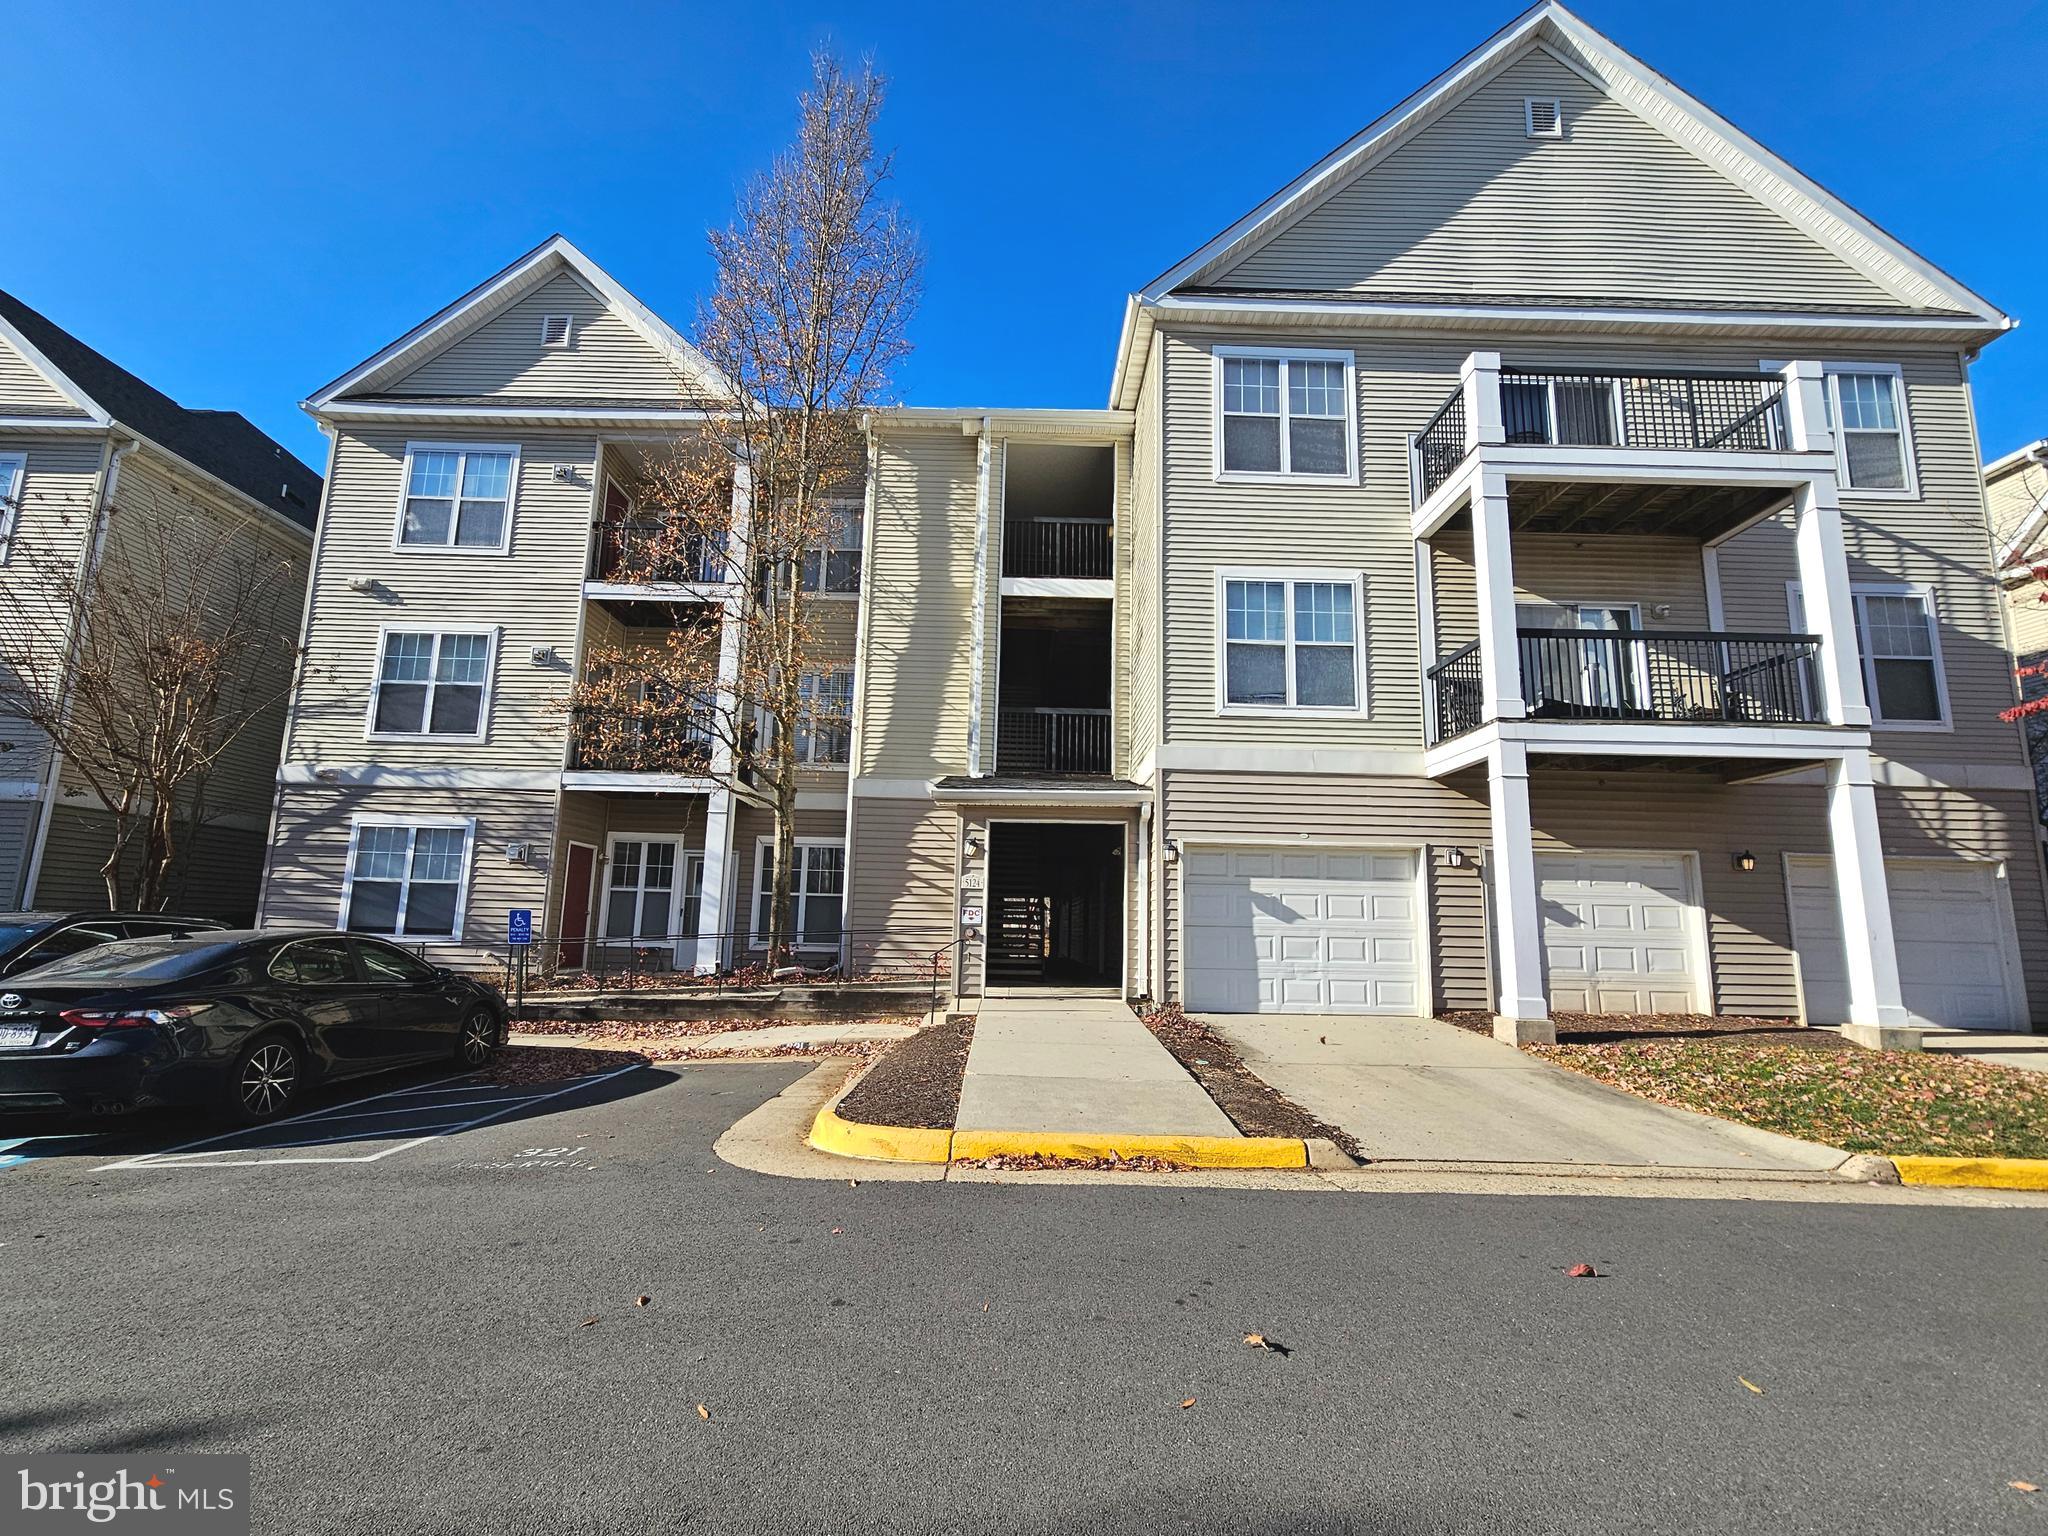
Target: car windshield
pixel 131 960
pixel 12 934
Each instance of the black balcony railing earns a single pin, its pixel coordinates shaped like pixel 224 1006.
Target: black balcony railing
pixel 1052 741
pixel 1440 446
pixel 1057 546
pixel 640 552
pixel 622 741
pixel 1683 677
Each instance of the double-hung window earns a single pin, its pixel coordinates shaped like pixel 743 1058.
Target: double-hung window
pixel 824 733
pixel 13 470
pixel 458 496
pixel 1290 640
pixel 832 565
pixel 1867 409
pixel 817 892
pixel 405 877
pixel 1285 414
pixel 432 683
pixel 1900 643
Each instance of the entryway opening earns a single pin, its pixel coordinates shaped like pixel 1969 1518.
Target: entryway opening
pixel 1056 903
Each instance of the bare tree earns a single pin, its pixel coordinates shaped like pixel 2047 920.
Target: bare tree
pixel 143 646
pixel 818 276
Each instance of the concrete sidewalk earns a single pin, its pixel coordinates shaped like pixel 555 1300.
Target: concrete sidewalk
pixel 1078 1064
pixel 1418 1090
pixel 2027 1052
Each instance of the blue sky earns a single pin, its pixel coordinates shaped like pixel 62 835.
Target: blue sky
pixel 239 201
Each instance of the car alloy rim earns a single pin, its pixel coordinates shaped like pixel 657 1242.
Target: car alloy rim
pixel 476 1038
pixel 268 1078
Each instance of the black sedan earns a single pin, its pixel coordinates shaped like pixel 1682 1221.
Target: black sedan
pixel 241 1020
pixel 30 939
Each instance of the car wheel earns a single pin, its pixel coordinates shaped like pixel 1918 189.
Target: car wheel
pixel 477 1041
pixel 267 1078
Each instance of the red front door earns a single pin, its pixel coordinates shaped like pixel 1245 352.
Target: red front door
pixel 574 929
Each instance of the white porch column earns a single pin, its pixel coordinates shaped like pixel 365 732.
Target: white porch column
pixel 712 904
pixel 1521 1011
pixel 1877 1010
pixel 1823 567
pixel 714 911
pixel 1479 378
pixel 1493 564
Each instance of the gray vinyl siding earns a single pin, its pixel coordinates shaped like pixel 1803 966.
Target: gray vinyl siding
pixel 309 859
pixel 215 872
pixel 606 358
pixel 1613 209
pixel 915 674
pixel 59 492
pixel 25 392
pixel 533 595
pixel 17 836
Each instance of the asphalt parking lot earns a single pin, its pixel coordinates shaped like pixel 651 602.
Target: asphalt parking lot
pixel 418 1310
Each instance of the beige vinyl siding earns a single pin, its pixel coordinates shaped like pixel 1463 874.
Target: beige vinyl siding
pixel 533 595
pixel 24 391
pixel 59 492
pixel 309 858
pixel 606 358
pixel 1122 656
pixel 750 823
pixel 900 898
pixel 1566 568
pixel 914 677
pixel 992 605
pixel 1613 209
pixel 215 872
pixel 2011 500
pixel 1137 544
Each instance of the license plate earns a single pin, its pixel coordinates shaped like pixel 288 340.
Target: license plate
pixel 17 1037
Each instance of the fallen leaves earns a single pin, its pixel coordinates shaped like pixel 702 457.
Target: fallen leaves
pixel 2018 1485
pixel 1260 1341
pixel 1759 1391
pixel 643 1301
pixel 1583 1272
pixel 703 1413
pixel 587 1322
pixel 1190 1402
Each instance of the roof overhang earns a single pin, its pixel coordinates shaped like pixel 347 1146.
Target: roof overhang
pixel 2014 553
pixel 92 412
pixel 1055 424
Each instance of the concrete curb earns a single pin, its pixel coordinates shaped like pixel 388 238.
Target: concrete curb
pixel 897 1144
pixel 1975 1172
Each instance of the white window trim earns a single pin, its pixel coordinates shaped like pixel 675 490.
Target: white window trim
pixel 504 544
pixel 858 507
pixel 1284 355
pixel 1529 117
pixel 806 759
pixel 1795 616
pixel 10 514
pixel 380 819
pixel 1910 491
pixel 492 632
pixel 604 885
pixel 568 332
pixel 1290 575
pixel 757 926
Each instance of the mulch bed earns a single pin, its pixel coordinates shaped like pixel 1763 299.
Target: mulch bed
pixel 1254 1105
pixel 1718 1028
pixel 654 1031
pixel 916 1084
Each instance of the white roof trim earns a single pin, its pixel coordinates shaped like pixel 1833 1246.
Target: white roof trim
pixel 2037 451
pixel 2012 554
pixel 527 273
pixel 95 412
pixel 1650 95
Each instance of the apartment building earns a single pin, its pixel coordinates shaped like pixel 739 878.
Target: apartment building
pixel 1534 561
pixel 2016 499
pixel 81 438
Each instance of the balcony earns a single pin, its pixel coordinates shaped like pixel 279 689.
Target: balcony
pixel 641 553
pixel 631 741
pixel 1057 741
pixel 1073 547
pixel 1674 677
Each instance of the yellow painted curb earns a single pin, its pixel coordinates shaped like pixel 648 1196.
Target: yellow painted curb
pixel 879 1143
pixel 1975 1172
pixel 1194 1151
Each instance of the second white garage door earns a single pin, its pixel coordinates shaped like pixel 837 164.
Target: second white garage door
pixel 1300 931
pixel 1620 933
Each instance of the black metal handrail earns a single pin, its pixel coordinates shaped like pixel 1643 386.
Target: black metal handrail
pixel 1616 408
pixel 1079 547
pixel 1694 677
pixel 1440 446
pixel 1052 740
pixel 1456 705
pixel 640 552
pixel 624 741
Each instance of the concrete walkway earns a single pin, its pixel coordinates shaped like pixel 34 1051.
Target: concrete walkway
pixel 1417 1090
pixel 1079 1065
pixel 2027 1052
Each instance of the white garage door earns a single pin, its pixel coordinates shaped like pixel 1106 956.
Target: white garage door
pixel 1619 933
pixel 1955 942
pixel 1299 931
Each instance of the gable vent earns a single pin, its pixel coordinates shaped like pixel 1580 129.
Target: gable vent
pixel 1543 117
pixel 554 330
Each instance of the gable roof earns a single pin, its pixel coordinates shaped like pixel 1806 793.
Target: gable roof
pixel 368 381
pixel 224 444
pixel 1923 293
pixel 2018 541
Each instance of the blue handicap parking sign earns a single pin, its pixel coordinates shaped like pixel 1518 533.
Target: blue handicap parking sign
pixel 520 926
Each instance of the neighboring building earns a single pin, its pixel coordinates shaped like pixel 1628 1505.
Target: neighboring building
pixel 80 435
pixel 1535 560
pixel 2016 494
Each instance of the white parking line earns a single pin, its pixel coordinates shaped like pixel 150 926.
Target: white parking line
pixel 225 1157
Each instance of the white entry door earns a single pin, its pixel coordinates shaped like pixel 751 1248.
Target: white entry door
pixel 1620 933
pixel 1958 954
pixel 1284 930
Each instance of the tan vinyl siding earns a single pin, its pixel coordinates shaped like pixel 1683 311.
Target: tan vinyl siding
pixel 309 858
pixel 24 391
pixel 915 676
pixel 901 889
pixel 533 594
pixel 1137 544
pixel 215 873
pixel 2013 498
pixel 1566 568
pixel 1122 656
pixel 750 823
pixel 606 358
pixel 992 605
pixel 1613 209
